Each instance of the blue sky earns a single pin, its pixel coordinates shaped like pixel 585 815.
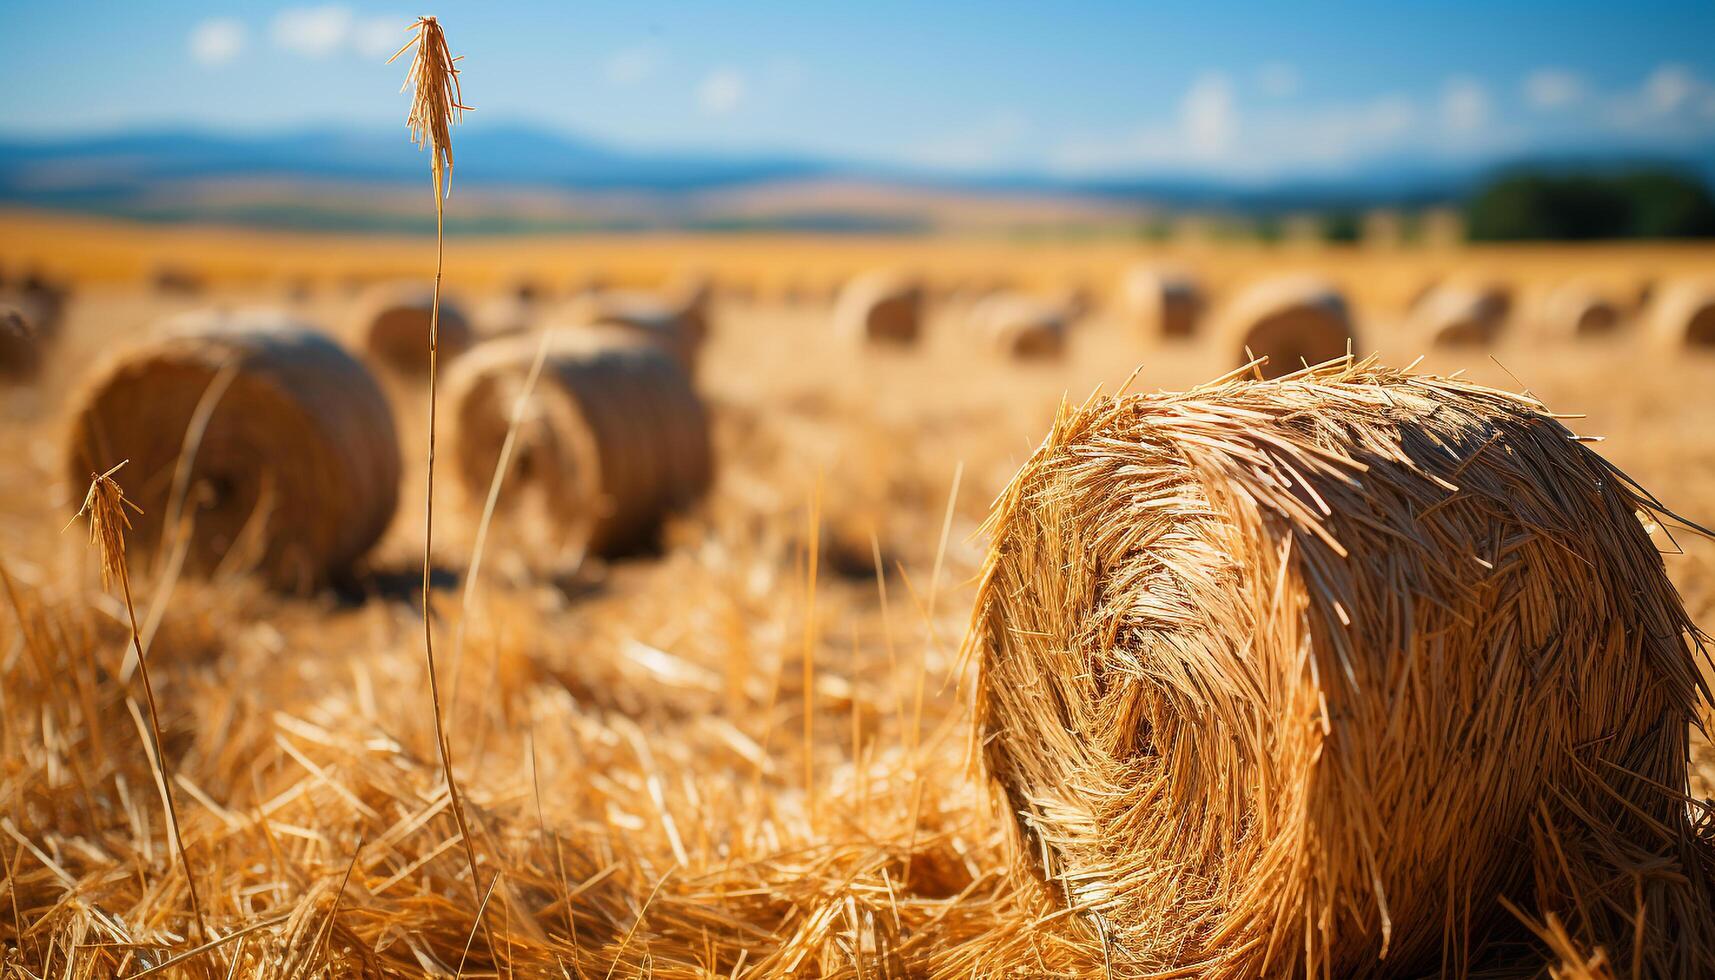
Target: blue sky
pixel 1067 88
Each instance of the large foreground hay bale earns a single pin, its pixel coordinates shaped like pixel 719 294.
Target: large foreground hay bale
pixel 1025 327
pixel 1292 320
pixel 880 307
pixel 1165 300
pixel 1684 314
pixel 1461 314
pixel 297 469
pixel 613 438
pixel 1576 310
pixel 1285 677
pixel 393 320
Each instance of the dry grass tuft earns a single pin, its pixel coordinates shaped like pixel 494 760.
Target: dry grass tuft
pixel 105 508
pixel 1315 676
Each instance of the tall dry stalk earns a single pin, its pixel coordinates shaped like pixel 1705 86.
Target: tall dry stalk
pixel 105 505
pixel 436 103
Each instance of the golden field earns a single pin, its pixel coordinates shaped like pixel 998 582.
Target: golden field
pixel 746 755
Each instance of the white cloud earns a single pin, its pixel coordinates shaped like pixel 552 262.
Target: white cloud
pixel 1268 142
pixel 633 66
pixel 721 91
pixel 991 143
pixel 1669 87
pixel 378 38
pixel 1464 105
pixel 1209 115
pixel 315 32
pixel 1278 80
pixel 1552 88
pixel 217 41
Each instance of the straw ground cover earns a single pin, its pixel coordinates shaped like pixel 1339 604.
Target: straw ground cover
pixel 641 726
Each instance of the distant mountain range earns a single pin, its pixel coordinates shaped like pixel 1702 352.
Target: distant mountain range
pixel 517 178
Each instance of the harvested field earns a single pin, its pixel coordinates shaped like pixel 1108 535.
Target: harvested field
pixel 746 750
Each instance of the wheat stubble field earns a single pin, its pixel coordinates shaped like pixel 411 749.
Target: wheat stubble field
pixel 746 749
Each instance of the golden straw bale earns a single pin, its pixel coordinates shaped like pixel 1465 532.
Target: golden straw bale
pixel 393 320
pixel 1461 313
pixel 176 280
pixel 1025 327
pixel 1683 315
pixel 1577 310
pixel 1293 320
pixel 21 344
pixel 675 323
pixel 880 307
pixel 613 438
pixel 1167 301
pixel 296 469
pixel 504 313
pixel 1280 678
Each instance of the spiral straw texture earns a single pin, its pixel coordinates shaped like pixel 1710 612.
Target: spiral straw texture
pixel 613 438
pixel 1307 677
pixel 297 470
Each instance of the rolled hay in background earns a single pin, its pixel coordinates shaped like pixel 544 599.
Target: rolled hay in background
pixel 1284 677
pixel 1167 301
pixel 1292 320
pixel 1683 315
pixel 677 324
pixel 297 470
pixel 175 280
pixel 504 313
pixel 21 344
pixel 393 320
pixel 1459 314
pixel 880 307
pixel 1577 310
pixel 612 441
pixel 1024 327
pixel 40 299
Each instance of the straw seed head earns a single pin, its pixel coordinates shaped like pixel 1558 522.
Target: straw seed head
pixel 436 99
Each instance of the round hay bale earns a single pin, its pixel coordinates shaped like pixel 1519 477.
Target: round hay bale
pixel 21 345
pixel 675 325
pixel 175 280
pixel 393 320
pixel 525 289
pixel 1684 314
pixel 1576 310
pixel 1282 677
pixel 504 313
pixel 1461 314
pixel 1291 320
pixel 297 469
pixel 880 307
pixel 612 441
pixel 1024 327
pixel 1167 301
